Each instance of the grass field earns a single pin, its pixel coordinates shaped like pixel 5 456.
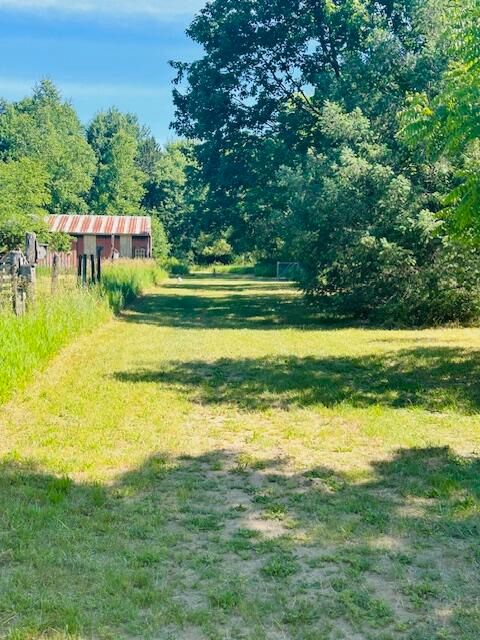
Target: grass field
pixel 216 463
pixel 59 315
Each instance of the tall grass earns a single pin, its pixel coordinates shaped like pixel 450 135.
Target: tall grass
pixel 29 342
pixel 124 280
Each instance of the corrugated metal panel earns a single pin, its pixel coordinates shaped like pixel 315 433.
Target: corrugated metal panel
pixel 102 225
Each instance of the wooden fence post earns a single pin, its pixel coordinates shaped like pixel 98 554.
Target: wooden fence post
pixel 55 273
pixel 29 279
pixel 31 248
pixel 84 269
pixel 5 284
pixel 18 294
pixel 92 268
pixel 99 264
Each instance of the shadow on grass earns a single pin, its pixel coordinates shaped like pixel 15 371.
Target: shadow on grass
pixel 202 546
pixel 433 378
pixel 229 304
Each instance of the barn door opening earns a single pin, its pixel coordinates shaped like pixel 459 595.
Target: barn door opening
pixel 125 246
pixel 90 245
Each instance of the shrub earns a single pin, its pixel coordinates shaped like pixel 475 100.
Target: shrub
pixel 229 269
pixel 176 267
pixel 265 270
pixel 161 246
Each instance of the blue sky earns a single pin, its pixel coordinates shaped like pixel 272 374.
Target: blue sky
pixel 99 53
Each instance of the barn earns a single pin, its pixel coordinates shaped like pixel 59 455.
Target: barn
pixel 122 236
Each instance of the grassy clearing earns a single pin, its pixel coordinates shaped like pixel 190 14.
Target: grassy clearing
pixel 220 464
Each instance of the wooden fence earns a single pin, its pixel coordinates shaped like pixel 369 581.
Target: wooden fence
pixel 89 268
pixel 17 280
pixel 65 261
pixel 6 288
pixel 18 275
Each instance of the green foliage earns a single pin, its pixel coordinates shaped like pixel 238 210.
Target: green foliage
pixel 47 130
pixel 161 246
pixel 218 268
pixel 177 267
pixel 367 245
pixel 319 175
pixel 447 123
pixel 210 249
pixel 59 242
pixel 265 270
pixel 24 196
pixel 118 186
pixel 175 194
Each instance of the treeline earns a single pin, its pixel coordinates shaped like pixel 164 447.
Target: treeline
pixel 51 164
pixel 344 135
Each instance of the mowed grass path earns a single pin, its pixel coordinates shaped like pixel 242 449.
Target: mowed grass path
pixel 217 464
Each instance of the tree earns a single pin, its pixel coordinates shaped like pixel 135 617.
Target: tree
pixel 254 99
pixel 161 246
pixel 118 186
pixel 48 130
pixel 368 246
pixel 24 197
pixel 448 123
pixel 261 55
pixel 295 104
pixel 210 249
pixel 175 195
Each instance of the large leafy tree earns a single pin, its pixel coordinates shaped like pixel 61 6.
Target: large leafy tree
pixel 263 54
pixel 368 245
pixel 118 186
pixel 295 104
pixel 47 129
pixel 175 195
pixel 255 97
pixel 447 123
pixel 24 197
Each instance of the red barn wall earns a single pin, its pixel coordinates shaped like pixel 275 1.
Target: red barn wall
pixel 138 242
pixel 79 245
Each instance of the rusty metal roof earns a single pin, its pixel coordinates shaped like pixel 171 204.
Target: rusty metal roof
pixel 102 225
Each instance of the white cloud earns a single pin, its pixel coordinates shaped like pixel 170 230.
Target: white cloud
pixel 159 9
pixel 14 88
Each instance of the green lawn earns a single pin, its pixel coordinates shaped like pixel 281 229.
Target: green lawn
pixel 219 464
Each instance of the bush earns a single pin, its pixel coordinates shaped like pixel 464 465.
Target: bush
pixel 210 249
pixel 176 267
pixel 161 246
pixel 28 343
pixel 229 269
pixel 265 270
